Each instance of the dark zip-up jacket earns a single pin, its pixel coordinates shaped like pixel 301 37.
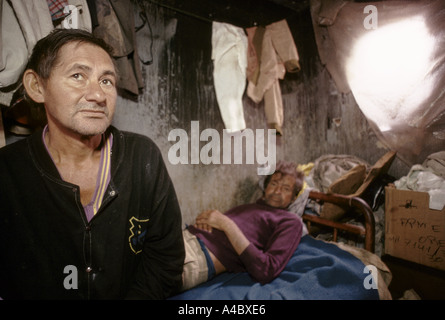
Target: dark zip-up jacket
pixel 132 248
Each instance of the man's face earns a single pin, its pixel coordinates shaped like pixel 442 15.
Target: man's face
pixel 279 192
pixel 80 94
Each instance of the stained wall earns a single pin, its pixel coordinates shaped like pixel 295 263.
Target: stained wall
pixel 179 89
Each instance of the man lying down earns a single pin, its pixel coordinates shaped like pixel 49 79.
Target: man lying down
pixel 257 238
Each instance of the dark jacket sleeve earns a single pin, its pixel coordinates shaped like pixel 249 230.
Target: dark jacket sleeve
pixel 159 273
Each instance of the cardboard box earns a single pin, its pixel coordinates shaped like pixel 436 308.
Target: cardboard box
pixel 413 231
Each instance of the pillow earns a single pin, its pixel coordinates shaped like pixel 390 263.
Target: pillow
pixel 347 184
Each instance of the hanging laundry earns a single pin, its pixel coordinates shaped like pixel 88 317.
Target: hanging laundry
pixel 117 27
pixel 93 13
pixel 14 53
pixel 75 15
pixel 34 19
pixel 271 53
pixel 229 55
pixel 23 23
pixel 56 8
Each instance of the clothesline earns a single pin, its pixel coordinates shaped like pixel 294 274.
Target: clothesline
pixel 187 13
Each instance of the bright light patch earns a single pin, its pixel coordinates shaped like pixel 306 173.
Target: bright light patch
pixel 387 71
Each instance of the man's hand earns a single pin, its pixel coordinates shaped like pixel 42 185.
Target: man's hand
pixel 209 219
pixel 215 219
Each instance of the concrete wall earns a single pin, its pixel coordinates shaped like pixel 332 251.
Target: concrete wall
pixel 179 89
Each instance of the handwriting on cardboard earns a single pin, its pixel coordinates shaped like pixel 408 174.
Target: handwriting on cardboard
pixel 429 242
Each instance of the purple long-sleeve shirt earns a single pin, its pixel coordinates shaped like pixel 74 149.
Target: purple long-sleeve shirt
pixel 274 235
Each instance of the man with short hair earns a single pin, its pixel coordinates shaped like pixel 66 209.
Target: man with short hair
pixel 86 211
pixel 257 238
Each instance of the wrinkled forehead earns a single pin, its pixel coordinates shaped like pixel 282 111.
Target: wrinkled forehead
pixel 86 52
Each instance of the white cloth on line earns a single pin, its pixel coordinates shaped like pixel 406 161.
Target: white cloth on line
pixel 229 55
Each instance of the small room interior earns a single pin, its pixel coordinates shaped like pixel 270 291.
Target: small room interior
pixel 334 111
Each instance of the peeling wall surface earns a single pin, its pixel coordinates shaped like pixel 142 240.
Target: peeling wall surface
pixel 179 92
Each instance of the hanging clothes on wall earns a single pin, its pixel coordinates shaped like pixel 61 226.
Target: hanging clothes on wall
pixel 78 17
pixel 14 54
pixel 229 55
pixel 23 24
pixel 56 8
pixel 117 27
pixel 272 52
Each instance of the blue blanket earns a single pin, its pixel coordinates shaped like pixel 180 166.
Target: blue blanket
pixel 317 270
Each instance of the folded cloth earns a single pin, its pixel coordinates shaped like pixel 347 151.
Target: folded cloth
pixel 436 162
pixel 423 179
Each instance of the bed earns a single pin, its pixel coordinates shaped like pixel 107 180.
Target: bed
pixel 356 205
pixel 318 269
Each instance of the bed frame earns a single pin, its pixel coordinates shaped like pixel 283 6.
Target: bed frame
pixel 356 204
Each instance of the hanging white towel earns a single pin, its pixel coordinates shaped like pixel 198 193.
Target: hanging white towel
pixel 229 55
